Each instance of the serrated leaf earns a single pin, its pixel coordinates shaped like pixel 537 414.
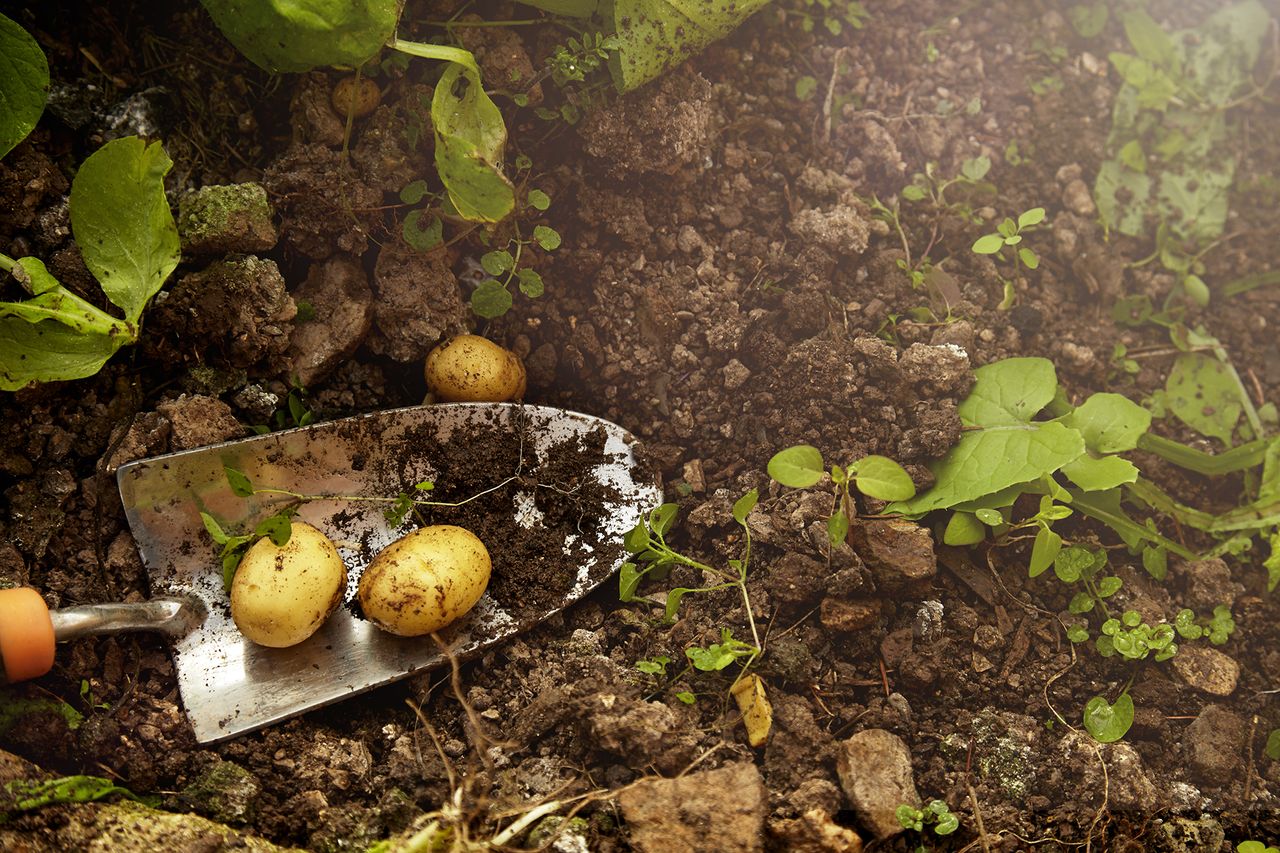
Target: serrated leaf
pixel 800 466
pixel 24 84
pixel 882 478
pixel 122 223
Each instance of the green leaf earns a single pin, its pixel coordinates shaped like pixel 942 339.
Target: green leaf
pixel 976 168
pixel 1093 474
pixel 686 697
pixel 49 351
pixel 547 238
pixel 413 192
pixel 1073 563
pixel 496 263
pixel 1149 41
pixel 490 299
pixel 24 84
pixel 122 223
pixel 1081 602
pixel 1029 258
pixel 799 467
pixel 1155 561
pixel 568 8
pixel 661 518
pixel 277 527
pixel 743 506
pixel 1034 216
pixel 1202 393
pixel 988 244
pixel 805 88
pixel 1009 392
pixel 1088 19
pixel 1132 156
pixel 673 603
pixel 538 200
pixel 214 529
pixel 470 138
pixel 1110 423
pixel 69 789
pixel 629 577
pixel 989 517
pixel 837 528
pixel 963 529
pixel 711 659
pixel 1044 551
pixel 1272 749
pixel 298 35
pixel 530 282
pixel 882 478
pixel 240 485
pixel 1078 634
pixel 947 824
pixel 654 35
pixel 1106 722
pixel 1197 291
pixel 423 239
pixel 1109 586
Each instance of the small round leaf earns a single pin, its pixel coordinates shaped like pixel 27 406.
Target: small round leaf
pixel 799 467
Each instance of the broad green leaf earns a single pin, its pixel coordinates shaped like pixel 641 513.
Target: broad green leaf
pixel 799 467
pixel 837 528
pixel 1196 290
pixel 988 244
pixel 882 478
pixel 24 84
pixel 963 529
pixel 1272 749
pixel 1034 216
pixel 298 35
pixel 1106 722
pixel 1044 551
pixel 1198 199
pixel 712 659
pixel 538 200
pixel 673 603
pixel 655 35
pixel 420 237
pixel 1155 561
pixel 1148 39
pixel 1093 474
pixel 48 351
pixel 1122 196
pixel 1110 423
pixel 1272 563
pixel 989 517
pixel 1029 258
pixel 1073 563
pixel 628 581
pixel 568 8
pixel 1202 394
pixel 490 299
pixel 1080 603
pixel 661 518
pixel 496 263
pixel 1109 586
pixel 25 795
pixel 547 238
pixel 122 223
pixel 990 460
pixel 530 282
pixel 1219 64
pixel 413 192
pixel 1009 392
pixel 470 138
pixel 1088 19
pixel 742 506
pixel 277 527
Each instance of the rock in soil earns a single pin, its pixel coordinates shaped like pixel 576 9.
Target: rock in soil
pixel 225 792
pixel 1214 745
pixel 198 421
pixel 221 219
pixel 815 832
pixel 875 772
pixel 720 810
pixel 1207 669
pixel 418 303
pixel 899 554
pixel 341 314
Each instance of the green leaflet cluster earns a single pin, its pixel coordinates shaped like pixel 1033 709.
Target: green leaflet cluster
pixel 1073 460
pixel 1169 130
pixel 121 221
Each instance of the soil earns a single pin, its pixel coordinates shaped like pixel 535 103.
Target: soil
pixel 723 290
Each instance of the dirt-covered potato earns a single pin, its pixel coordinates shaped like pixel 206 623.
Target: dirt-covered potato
pixel 425 580
pixel 472 369
pixel 281 596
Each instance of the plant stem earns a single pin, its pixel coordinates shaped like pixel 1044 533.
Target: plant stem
pixel 7 263
pixel 436 51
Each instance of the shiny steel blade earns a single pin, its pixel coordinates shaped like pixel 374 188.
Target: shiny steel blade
pixel 230 685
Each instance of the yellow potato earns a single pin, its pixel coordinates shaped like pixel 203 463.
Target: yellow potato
pixel 425 580
pixel 472 369
pixel 281 596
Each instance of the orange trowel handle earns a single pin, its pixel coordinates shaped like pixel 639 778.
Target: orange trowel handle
pixel 26 634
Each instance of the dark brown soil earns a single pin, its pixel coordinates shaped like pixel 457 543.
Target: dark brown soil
pixel 724 290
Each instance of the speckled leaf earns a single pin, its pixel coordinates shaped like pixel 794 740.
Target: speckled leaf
pixel 1110 423
pixel 1201 393
pixel 48 351
pixel 24 84
pixel 298 35
pixel 655 35
pixel 470 138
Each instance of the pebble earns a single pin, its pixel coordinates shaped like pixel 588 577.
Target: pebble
pixel 875 771
pixel 1207 669
pixel 1214 744
pixel 722 809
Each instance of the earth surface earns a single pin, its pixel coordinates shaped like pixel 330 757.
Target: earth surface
pixel 725 288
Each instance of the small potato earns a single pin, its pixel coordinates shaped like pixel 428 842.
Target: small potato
pixel 472 369
pixel 425 580
pixel 281 596
pixel 359 97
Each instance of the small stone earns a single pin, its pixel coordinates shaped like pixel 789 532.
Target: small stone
pixel 899 553
pixel 217 220
pixel 198 421
pixel 735 375
pixel 847 616
pixel 1077 198
pixel 629 727
pixel 815 832
pixel 1214 744
pixel 1209 583
pixel 1207 669
pixel 981 663
pixel 721 810
pixel 341 313
pixel 875 771
pixel 694 476
pixel 225 792
pixel 937 371
pixel 987 637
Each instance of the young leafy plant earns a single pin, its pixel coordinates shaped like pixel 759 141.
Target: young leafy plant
pixel 937 816
pixel 876 477
pixel 24 84
pixel 121 221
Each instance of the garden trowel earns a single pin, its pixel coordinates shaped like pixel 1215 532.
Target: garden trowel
pixel 230 685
